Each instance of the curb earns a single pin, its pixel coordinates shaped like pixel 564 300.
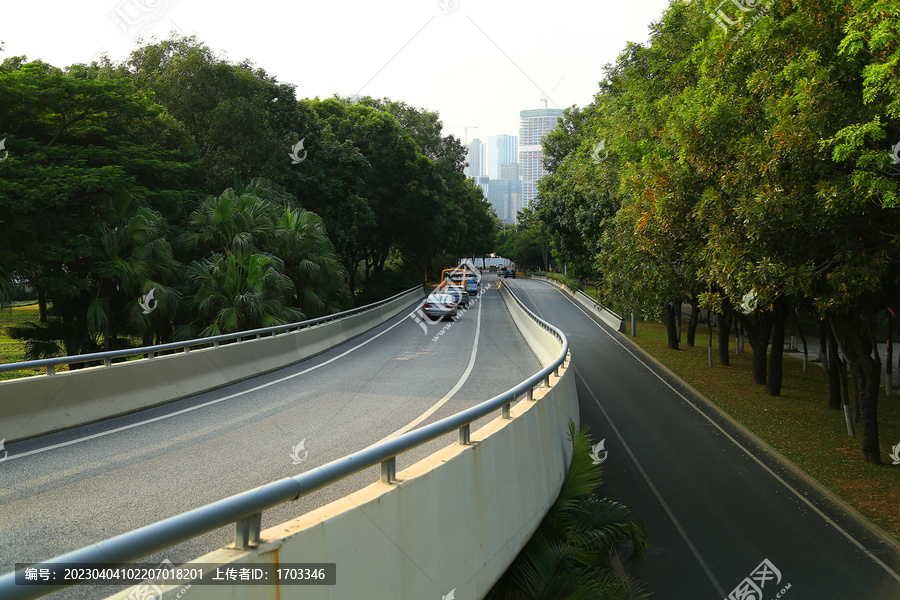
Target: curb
pixel 872 527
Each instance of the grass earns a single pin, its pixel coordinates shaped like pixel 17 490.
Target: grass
pixel 13 350
pixel 798 423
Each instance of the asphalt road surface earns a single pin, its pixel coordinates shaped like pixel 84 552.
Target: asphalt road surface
pixel 715 505
pixel 65 491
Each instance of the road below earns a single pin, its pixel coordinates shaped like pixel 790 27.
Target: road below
pixel 65 491
pixel 715 505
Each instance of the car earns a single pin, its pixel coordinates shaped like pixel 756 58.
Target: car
pixel 492 269
pixel 510 273
pixel 472 284
pixel 459 294
pixel 439 306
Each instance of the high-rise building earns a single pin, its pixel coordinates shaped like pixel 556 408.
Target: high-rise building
pixel 476 159
pixel 502 149
pixel 533 126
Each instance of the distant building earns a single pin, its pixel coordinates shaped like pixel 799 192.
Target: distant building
pixel 502 149
pixel 533 126
pixel 476 157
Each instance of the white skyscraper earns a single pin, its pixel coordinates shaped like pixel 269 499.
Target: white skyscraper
pixel 534 125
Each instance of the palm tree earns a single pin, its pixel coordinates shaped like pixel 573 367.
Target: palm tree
pixel 237 291
pixel 569 555
pixel 320 282
pixel 134 257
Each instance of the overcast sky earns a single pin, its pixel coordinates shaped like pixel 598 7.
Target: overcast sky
pixel 478 63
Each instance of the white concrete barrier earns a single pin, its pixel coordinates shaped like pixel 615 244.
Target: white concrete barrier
pixel 453 521
pixel 605 315
pixel 42 404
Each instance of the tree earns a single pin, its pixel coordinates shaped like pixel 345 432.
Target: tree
pixel 84 145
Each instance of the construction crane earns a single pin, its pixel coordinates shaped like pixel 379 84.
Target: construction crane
pixel 465 128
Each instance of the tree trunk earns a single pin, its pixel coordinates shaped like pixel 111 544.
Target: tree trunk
pixel 671 326
pixel 758 331
pixel 42 305
pixel 889 356
pixel 724 336
pixel 834 377
pixel 776 371
pixel 857 342
pixel 692 324
pixel 802 339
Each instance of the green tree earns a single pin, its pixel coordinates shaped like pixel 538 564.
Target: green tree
pixel 81 142
pixel 569 554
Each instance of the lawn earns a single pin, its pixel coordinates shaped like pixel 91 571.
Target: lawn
pixel 13 350
pixel 798 423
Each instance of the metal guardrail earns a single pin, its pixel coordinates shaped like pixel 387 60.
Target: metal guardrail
pixel 152 351
pixel 245 509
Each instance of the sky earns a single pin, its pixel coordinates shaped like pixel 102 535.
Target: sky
pixel 477 63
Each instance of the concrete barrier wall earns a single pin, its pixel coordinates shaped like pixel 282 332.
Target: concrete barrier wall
pixel 606 315
pixel 453 521
pixel 37 405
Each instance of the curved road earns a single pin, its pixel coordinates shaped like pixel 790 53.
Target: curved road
pixel 714 504
pixel 64 491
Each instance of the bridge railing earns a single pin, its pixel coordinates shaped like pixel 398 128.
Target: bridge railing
pixel 245 509
pixel 149 352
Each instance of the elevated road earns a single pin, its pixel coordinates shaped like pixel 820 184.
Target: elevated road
pixel 714 504
pixel 64 491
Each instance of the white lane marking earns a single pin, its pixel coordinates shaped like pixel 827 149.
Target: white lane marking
pixel 659 498
pixel 796 493
pixel 209 403
pixel 451 393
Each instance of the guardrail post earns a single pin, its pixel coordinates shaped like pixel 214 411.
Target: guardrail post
pixel 216 344
pixel 531 394
pixel 107 362
pixel 51 369
pixel 151 354
pixel 389 470
pixel 463 438
pixel 504 412
pixel 547 381
pixel 246 531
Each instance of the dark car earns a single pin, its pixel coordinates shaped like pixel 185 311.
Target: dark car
pixel 458 293
pixel 510 273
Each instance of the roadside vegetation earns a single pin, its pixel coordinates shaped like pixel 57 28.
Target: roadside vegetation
pixel 209 185
pixel 573 552
pixel 751 170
